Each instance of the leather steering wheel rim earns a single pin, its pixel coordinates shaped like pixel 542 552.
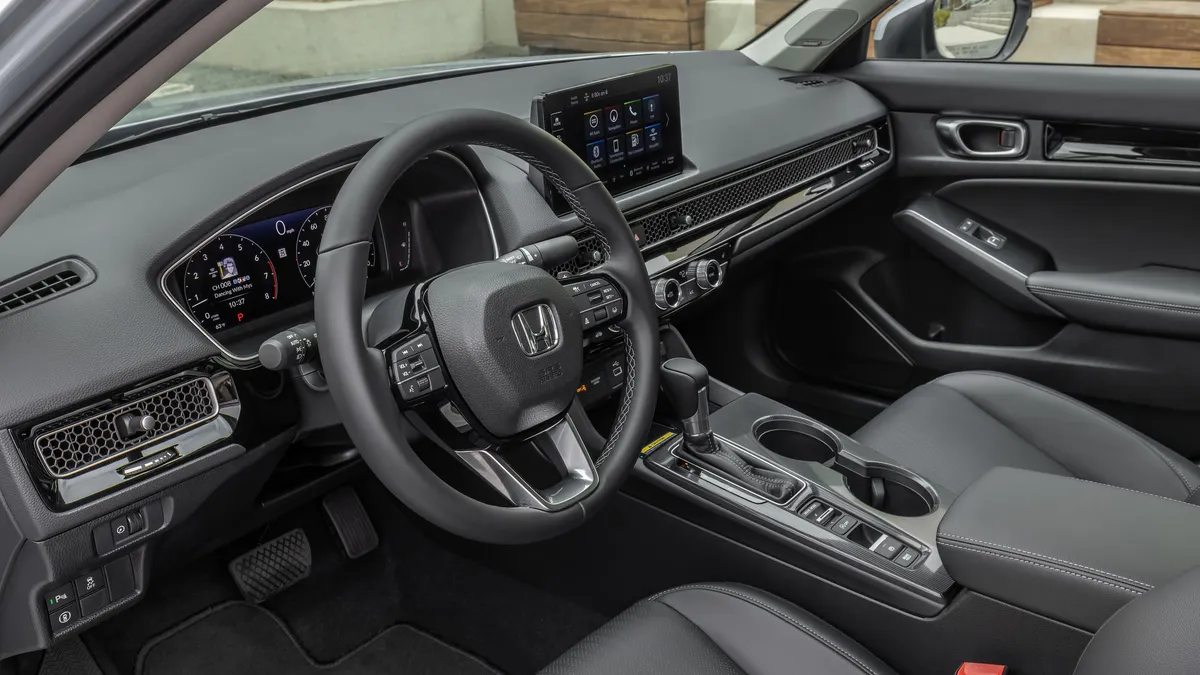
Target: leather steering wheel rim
pixel 357 373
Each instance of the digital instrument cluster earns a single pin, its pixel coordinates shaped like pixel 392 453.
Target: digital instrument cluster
pixel 266 266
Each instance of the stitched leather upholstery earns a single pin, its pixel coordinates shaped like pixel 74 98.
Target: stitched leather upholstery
pixel 954 429
pixel 716 629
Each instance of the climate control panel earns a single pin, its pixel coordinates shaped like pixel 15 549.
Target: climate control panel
pixel 685 281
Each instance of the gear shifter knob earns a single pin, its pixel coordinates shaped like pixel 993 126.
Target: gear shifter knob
pixel 686 384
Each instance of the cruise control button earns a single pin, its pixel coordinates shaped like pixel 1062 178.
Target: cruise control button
pixel 600 314
pixel 593 284
pixel 906 558
pixel 423 384
pixel 887 546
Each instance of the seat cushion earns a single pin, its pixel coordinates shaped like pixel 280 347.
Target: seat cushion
pixel 952 430
pixel 716 629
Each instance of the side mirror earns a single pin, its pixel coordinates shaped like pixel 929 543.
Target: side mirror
pixel 976 30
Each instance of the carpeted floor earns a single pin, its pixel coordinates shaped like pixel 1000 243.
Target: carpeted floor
pixel 242 639
pixel 410 580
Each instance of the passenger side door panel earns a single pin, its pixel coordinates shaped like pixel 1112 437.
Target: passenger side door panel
pixel 1081 275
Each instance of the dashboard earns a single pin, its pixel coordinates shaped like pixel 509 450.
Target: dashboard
pixel 192 250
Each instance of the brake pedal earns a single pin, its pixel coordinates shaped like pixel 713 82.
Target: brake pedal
pixel 350 522
pixel 272 567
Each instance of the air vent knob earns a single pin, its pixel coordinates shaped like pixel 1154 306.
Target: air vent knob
pixel 131 425
pixel 682 220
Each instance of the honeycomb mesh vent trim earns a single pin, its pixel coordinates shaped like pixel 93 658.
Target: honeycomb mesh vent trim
pixel 76 446
pixel 590 256
pixel 736 192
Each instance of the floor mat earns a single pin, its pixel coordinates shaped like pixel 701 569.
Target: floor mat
pixel 242 639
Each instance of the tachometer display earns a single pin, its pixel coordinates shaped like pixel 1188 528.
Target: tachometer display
pixel 229 281
pixel 309 241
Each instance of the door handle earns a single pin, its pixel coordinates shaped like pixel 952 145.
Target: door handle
pixel 975 138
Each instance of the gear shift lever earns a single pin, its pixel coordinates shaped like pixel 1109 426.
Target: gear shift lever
pixel 686 383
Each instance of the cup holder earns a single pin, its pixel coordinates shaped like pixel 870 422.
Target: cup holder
pixel 794 439
pixel 888 489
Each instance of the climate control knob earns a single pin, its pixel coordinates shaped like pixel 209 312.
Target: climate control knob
pixel 666 293
pixel 706 272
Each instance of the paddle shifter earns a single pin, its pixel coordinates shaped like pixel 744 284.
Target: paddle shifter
pixel 686 383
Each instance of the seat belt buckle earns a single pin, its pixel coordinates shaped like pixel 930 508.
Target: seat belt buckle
pixel 981 669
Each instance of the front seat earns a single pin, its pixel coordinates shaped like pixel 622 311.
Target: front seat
pixel 952 430
pixel 724 629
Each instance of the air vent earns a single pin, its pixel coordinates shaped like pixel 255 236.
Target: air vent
pixel 810 80
pixel 44 284
pixel 745 190
pixel 591 254
pixel 70 445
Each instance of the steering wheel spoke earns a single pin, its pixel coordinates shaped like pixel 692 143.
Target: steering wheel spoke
pixel 563 447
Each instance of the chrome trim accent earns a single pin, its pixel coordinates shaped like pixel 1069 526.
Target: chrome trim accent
pixel 697 426
pixel 949 131
pixel 964 244
pixel 563 438
pixel 751 172
pixel 774 465
pixel 44 432
pixel 531 337
pixel 252 359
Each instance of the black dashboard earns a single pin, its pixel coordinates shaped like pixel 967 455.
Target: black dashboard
pixel 188 265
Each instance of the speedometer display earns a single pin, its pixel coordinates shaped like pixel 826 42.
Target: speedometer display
pixel 228 281
pixel 309 241
pixel 267 266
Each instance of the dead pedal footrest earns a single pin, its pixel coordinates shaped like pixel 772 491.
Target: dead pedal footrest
pixel 272 567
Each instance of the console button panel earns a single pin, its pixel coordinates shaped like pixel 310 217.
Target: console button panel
pixel 90 594
pixel 845 525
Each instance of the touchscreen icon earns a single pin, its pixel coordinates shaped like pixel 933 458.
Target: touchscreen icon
pixel 652 109
pixel 616 149
pixel 612 120
pixel 633 113
pixel 594 154
pixel 635 142
pixel 654 140
pixel 593 126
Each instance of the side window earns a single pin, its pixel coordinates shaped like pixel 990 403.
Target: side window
pixel 1116 33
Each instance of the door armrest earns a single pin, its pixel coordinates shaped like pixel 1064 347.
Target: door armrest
pixel 1150 300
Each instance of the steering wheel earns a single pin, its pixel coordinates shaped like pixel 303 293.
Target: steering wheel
pixel 495 348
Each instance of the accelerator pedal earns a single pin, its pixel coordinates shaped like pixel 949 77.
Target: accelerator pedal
pixel 350 522
pixel 272 567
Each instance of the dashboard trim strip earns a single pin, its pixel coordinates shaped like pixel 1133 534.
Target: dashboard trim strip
pixel 751 172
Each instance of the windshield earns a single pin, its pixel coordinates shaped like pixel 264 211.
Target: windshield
pixel 295 45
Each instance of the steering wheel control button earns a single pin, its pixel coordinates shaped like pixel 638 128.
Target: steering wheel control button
pixel 89 583
pixel 60 597
pixel 886 546
pixel 666 293
pixel 907 557
pixel 62 618
pixel 417 386
pixel 413 347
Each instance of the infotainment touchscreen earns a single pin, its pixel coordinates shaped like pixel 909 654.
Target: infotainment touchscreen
pixel 626 128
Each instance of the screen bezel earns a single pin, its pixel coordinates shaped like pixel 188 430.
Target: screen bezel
pixel 574 102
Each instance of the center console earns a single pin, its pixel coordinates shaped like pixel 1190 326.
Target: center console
pixel 853 515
